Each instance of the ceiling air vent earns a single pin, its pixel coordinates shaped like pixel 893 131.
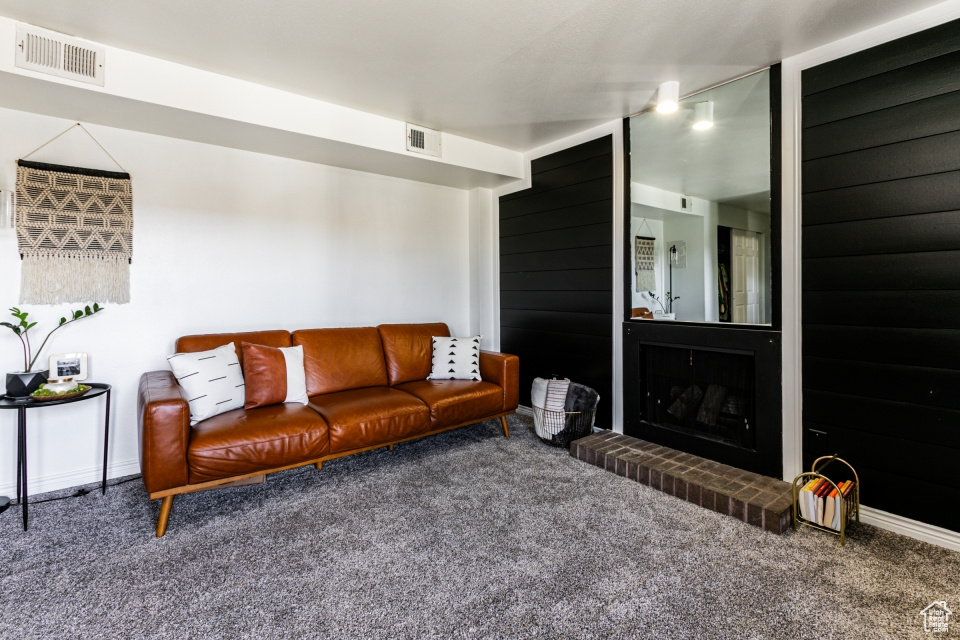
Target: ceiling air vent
pixel 59 55
pixel 423 140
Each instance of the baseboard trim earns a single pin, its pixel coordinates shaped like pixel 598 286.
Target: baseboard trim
pixel 56 481
pixel 911 528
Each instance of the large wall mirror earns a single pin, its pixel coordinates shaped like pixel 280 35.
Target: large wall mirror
pixel 700 207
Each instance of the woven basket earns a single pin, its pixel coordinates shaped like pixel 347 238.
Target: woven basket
pixel 560 428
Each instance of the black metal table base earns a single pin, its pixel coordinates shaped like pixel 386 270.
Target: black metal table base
pixel 21 406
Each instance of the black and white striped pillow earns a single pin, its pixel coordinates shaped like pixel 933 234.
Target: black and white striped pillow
pixel 456 358
pixel 212 380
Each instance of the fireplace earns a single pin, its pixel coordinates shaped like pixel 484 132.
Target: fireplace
pixel 711 391
pixel 706 393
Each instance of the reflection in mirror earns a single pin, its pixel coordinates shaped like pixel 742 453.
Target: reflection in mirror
pixel 700 207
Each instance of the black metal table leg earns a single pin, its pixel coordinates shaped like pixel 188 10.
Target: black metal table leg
pixel 23 436
pixel 106 440
pixel 20 413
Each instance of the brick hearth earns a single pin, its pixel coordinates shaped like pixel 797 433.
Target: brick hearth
pixel 755 499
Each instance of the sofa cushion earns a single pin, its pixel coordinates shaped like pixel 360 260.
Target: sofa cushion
pixel 408 349
pixel 368 417
pixel 212 380
pixel 240 442
pixel 273 375
pixel 456 359
pixel 204 342
pixel 454 402
pixel 341 359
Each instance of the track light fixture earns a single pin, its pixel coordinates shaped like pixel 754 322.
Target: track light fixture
pixel 668 96
pixel 703 115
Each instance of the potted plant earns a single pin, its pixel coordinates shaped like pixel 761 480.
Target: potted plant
pixel 666 313
pixel 22 383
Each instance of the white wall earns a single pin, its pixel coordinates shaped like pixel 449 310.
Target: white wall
pixel 484 293
pixel 687 281
pixel 648 228
pixel 227 240
pixel 697 227
pixel 745 219
pixel 711 267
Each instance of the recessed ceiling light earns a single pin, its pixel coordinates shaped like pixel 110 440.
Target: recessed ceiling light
pixel 703 115
pixel 668 96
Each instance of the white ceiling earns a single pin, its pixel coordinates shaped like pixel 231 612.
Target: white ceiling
pixel 517 74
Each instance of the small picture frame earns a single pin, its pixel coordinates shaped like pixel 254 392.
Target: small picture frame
pixel 64 366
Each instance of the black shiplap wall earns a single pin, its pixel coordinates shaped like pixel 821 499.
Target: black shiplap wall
pixel 881 271
pixel 556 271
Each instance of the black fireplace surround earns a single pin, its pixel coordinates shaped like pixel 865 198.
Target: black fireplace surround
pixel 703 392
pixel 710 391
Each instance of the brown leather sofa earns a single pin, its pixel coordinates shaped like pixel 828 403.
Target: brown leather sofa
pixel 367 389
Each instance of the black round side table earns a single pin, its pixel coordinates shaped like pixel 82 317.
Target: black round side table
pixel 23 405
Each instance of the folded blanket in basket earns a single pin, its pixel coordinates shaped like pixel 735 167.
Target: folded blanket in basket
pixel 580 398
pixel 553 405
pixel 538 393
pixel 562 407
pixel 538 397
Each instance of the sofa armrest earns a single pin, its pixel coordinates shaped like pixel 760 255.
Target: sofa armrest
pixel 163 417
pixel 502 369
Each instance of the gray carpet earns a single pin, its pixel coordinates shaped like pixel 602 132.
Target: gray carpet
pixel 462 535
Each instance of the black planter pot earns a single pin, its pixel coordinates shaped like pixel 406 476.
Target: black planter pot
pixel 21 385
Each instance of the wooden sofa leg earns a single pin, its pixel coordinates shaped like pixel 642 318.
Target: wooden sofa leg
pixel 503 421
pixel 165 507
pixel 390 447
pixel 319 465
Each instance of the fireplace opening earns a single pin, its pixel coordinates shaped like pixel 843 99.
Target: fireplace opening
pixel 704 392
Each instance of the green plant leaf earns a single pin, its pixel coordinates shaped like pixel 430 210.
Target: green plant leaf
pixel 31 325
pixel 77 314
pixel 63 321
pixel 87 311
pixel 96 307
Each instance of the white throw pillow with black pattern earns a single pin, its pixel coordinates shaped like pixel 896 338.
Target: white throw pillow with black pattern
pixel 212 380
pixel 456 358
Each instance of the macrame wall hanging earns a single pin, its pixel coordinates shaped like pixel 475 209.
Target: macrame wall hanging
pixel 644 260
pixel 74 232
